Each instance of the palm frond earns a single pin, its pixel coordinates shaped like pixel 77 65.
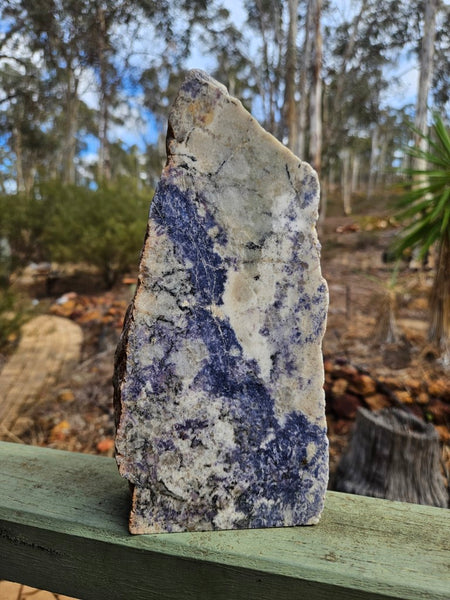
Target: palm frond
pixel 443 135
pixel 437 158
pixel 424 206
pixel 445 221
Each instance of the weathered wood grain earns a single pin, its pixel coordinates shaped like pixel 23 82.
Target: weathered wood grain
pixel 393 455
pixel 63 527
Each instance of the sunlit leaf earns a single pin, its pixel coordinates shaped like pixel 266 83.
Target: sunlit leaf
pixel 424 206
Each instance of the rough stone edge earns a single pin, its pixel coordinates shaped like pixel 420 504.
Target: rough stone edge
pixel 122 347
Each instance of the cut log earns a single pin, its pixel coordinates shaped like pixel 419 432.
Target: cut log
pixel 393 455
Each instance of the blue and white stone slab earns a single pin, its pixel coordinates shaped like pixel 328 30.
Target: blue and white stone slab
pixel 219 372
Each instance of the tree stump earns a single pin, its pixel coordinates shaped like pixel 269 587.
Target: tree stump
pixel 393 455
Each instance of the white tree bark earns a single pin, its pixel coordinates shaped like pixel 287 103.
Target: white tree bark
pixel 290 106
pixel 381 162
pixel 315 141
pixel 374 151
pixel 426 75
pixel 303 85
pixel 104 161
pixel 346 181
pixel 355 172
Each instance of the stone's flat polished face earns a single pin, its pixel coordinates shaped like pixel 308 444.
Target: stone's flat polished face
pixel 219 373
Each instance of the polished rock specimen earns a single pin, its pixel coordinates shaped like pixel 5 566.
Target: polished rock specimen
pixel 219 373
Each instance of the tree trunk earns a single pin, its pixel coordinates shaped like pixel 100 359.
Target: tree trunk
pixel 303 85
pixel 348 53
pixel 331 179
pixel 322 209
pixel 264 81
pixel 29 178
pixel 104 161
pixel 290 107
pixel 393 455
pixel 386 330
pixel 373 161
pixel 71 120
pixel 439 331
pixel 341 78
pixel 346 182
pixel 279 43
pixel 17 147
pixel 425 76
pixel 381 163
pixel 315 141
pixel 355 172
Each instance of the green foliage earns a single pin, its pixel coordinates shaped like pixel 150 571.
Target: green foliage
pixel 68 223
pixel 103 227
pixel 23 220
pixel 425 208
pixel 14 312
pixel 5 262
pixel 425 204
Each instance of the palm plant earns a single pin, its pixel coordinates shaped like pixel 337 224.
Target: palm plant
pixel 424 207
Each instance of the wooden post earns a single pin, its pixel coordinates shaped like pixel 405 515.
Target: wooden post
pixel 393 455
pixel 63 527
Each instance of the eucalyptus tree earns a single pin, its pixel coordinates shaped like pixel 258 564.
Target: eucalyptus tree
pixel 53 32
pixel 72 44
pixel 290 105
pixel 357 54
pixel 26 122
pixel 426 60
pixel 315 114
pixel 184 27
pixel 267 19
pixel 440 87
pixel 303 82
pixel 233 67
pixel 114 32
pixel 360 53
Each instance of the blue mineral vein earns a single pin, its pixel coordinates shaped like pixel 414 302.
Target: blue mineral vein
pixel 282 471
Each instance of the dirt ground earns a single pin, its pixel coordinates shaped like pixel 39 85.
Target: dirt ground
pixel 368 303
pixel 76 414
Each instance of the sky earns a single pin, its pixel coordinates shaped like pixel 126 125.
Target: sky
pixel 140 132
pixel 404 92
pixel 132 132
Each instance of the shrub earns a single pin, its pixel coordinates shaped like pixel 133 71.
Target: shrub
pixel 67 223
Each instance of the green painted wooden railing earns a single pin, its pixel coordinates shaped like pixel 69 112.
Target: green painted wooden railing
pixel 63 527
